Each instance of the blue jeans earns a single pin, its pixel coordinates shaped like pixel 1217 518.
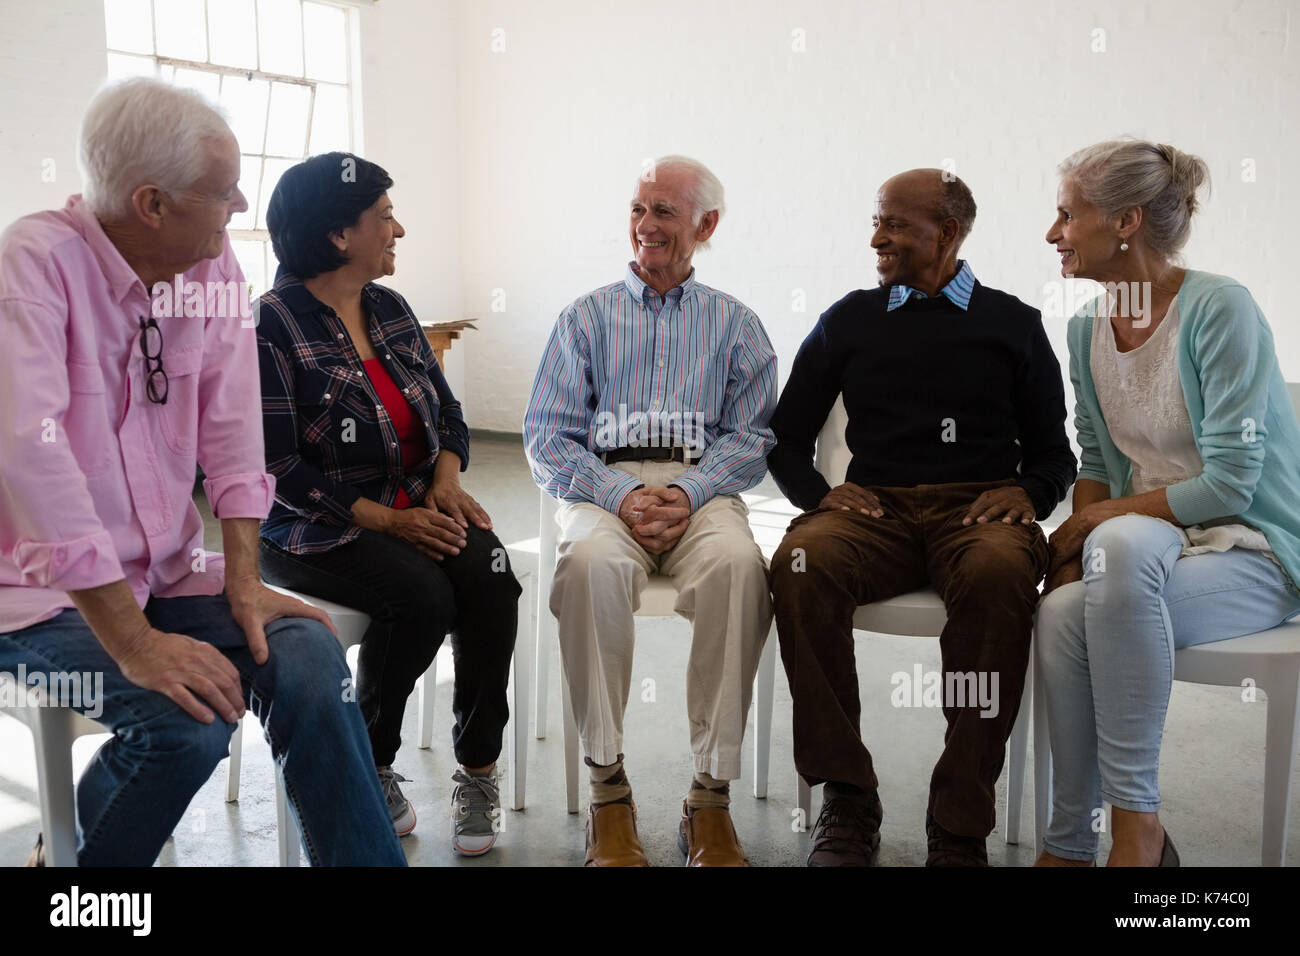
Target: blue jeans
pixel 139 784
pixel 1105 652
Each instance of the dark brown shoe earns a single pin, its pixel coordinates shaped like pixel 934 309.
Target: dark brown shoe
pixel 37 856
pixel 950 849
pixel 847 831
pixel 611 836
pixel 706 837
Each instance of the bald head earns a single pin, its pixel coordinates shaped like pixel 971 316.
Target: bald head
pixel 922 216
pixel 940 192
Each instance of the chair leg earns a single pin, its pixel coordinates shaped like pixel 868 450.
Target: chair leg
pixel 571 748
pixel 520 670
pixel 286 828
pixel 805 801
pixel 1280 738
pixel 52 735
pixel 428 691
pixel 546 639
pixel 764 692
pixel 1042 766
pixel 236 758
pixel 1018 746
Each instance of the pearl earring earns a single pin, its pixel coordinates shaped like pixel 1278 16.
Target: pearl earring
pixel 1123 246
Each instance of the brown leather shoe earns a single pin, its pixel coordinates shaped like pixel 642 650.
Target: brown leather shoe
pixel 707 838
pixel 611 836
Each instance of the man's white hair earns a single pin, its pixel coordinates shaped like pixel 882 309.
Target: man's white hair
pixel 140 132
pixel 706 193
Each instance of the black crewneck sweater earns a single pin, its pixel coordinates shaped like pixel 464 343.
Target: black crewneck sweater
pixel 934 395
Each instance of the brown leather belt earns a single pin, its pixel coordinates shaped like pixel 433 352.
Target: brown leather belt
pixel 645 453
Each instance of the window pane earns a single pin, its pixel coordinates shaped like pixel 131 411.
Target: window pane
pixel 245 103
pixel 329 120
pixel 325 40
pixel 252 262
pixel 232 33
pixel 250 173
pixel 279 27
pixel 273 170
pixel 205 83
pixel 180 29
pixel 287 133
pixel 120 66
pixel 130 25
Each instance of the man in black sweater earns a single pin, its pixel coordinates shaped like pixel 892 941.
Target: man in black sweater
pixel 956 424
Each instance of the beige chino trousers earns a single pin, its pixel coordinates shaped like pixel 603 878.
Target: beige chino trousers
pixel 722 589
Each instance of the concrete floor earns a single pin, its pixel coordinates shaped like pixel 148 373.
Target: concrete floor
pixel 1211 763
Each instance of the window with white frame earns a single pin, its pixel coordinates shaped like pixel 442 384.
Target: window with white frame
pixel 281 70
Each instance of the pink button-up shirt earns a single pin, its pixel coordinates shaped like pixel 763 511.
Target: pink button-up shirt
pixel 96 480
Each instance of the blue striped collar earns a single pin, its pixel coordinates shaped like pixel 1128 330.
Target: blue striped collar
pixel 958 290
pixel 638 287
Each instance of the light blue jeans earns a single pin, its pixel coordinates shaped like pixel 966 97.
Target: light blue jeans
pixel 1105 651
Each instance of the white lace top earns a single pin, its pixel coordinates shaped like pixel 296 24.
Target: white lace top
pixel 1141 398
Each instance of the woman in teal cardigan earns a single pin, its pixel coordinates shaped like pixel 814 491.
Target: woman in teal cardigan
pixel 1186 519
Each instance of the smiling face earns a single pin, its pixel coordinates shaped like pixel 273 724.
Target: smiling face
pixel 371 243
pixel 662 228
pixel 194 227
pixel 1086 240
pixel 913 245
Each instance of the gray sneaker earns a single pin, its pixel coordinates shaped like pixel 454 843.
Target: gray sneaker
pixel 399 808
pixel 475 810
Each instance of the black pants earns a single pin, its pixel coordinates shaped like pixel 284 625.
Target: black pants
pixel 413 602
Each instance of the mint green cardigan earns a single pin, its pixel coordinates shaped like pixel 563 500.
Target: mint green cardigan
pixel 1231 382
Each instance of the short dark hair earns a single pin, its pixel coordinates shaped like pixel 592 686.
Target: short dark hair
pixel 956 202
pixel 319 196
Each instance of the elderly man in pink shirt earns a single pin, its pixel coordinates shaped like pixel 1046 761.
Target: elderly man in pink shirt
pixel 129 355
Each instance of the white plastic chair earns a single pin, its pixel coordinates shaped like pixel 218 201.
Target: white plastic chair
pixel 1269 658
pixel 351 626
pixel 916 614
pixel 657 600
pixel 53 731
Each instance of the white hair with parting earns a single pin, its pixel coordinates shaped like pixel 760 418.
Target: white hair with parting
pixel 706 193
pixel 142 131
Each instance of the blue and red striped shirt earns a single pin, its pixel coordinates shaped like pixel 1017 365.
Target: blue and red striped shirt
pixel 624 356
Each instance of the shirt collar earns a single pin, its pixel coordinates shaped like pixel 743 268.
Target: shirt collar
pixel 120 276
pixel 299 299
pixel 958 290
pixel 637 286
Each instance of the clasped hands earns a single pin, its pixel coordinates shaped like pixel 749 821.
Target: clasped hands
pixel 656 516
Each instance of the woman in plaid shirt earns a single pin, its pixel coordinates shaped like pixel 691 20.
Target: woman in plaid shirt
pixel 366 443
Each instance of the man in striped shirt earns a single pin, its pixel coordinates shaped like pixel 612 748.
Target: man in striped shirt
pixel 647 419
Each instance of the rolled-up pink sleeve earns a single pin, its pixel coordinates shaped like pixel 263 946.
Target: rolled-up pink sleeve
pixel 48 525
pixel 230 447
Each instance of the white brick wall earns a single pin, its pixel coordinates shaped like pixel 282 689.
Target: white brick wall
pixel 513 168
pixel 51 61
pixel 552 132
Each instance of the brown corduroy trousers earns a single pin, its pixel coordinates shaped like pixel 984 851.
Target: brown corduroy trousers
pixel 832 561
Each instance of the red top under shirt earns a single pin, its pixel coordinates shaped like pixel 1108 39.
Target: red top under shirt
pixel 410 430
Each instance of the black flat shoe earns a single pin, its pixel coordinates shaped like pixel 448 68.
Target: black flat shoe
pixel 1169 853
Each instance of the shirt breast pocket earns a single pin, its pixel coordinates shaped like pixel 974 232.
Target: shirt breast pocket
pixel 86 421
pixel 333 405
pixel 180 416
